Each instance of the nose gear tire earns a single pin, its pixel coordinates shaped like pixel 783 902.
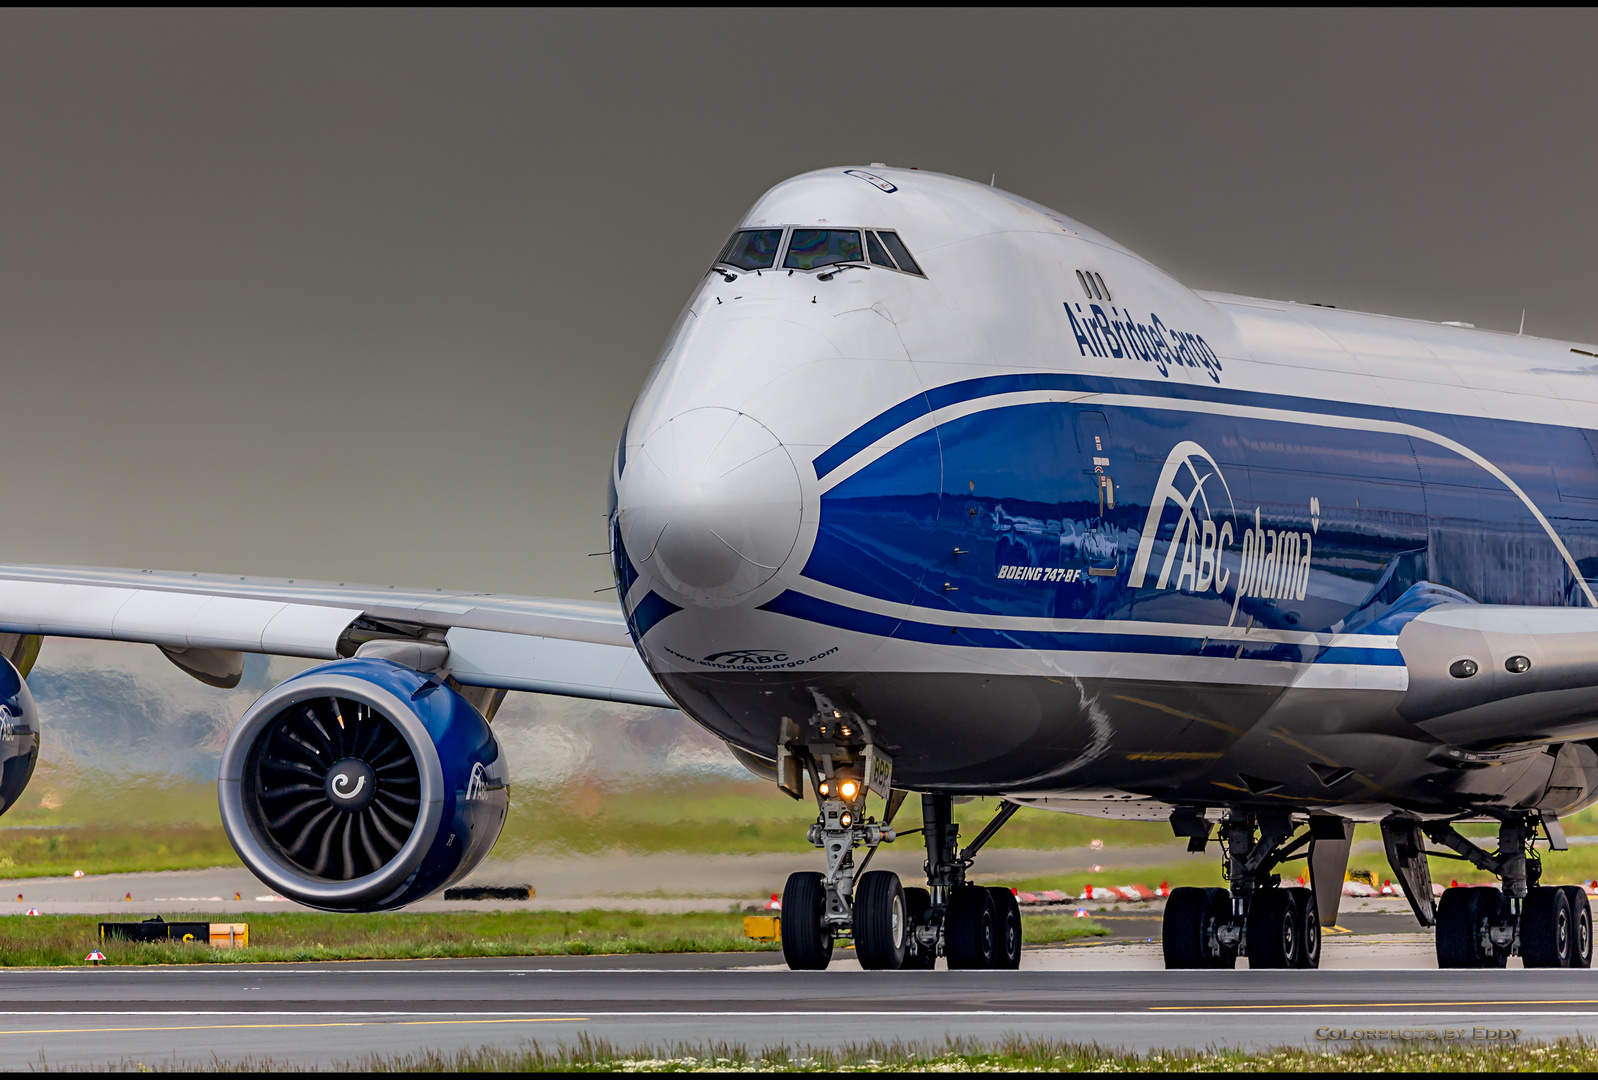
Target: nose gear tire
pixel 806 943
pixel 881 926
pixel 969 928
pixel 1006 929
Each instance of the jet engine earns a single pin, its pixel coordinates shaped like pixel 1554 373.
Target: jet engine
pixel 19 735
pixel 362 785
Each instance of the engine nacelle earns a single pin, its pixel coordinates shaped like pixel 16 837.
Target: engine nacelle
pixel 19 735
pixel 362 785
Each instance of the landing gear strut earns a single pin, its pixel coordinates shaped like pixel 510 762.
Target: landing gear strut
pixel 1545 925
pixel 1275 927
pixel 891 926
pixel 971 926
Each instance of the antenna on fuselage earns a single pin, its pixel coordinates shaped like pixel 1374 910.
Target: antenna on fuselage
pixel 1522 329
pixel 994 181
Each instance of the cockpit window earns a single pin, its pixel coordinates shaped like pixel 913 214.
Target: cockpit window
pixel 901 254
pixel 812 248
pixel 752 249
pixel 878 255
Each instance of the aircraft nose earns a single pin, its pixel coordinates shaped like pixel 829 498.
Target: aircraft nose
pixel 711 504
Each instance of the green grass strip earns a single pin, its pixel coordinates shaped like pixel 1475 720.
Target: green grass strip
pixel 297 937
pixel 1013 1054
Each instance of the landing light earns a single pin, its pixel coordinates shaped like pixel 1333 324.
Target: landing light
pixel 846 820
pixel 848 789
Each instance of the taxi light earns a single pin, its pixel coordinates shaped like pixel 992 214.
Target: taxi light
pixel 846 820
pixel 824 787
pixel 848 789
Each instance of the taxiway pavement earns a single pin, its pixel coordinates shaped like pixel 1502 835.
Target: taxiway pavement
pixel 1112 994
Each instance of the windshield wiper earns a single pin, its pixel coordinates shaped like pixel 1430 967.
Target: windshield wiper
pixel 830 274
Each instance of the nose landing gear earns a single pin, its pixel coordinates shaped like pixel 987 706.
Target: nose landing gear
pixel 892 927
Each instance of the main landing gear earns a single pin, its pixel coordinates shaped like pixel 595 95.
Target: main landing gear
pixel 1276 927
pixel 892 927
pixel 1547 926
pixel 1272 925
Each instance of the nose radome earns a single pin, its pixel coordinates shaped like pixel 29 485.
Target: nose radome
pixel 711 504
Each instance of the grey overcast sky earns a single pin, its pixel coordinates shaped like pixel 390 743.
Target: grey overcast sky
pixel 366 295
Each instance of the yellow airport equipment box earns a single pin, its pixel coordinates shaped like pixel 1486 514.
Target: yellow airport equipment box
pixel 219 935
pixel 230 935
pixel 763 927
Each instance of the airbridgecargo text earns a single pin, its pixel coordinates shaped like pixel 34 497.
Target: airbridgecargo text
pixel 1116 334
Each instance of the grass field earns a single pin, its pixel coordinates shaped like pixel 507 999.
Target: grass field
pixel 1011 1055
pixel 297 937
pixel 67 822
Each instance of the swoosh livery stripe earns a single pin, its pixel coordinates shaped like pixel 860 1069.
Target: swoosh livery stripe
pixel 941 397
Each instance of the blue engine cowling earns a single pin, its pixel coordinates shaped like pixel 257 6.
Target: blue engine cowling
pixel 19 735
pixel 362 785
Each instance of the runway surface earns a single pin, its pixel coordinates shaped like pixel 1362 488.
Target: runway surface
pixel 324 1014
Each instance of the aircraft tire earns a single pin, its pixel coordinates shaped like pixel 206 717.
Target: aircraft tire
pixel 1187 914
pixel 1546 928
pixel 1460 914
pixel 917 902
pixel 1273 930
pixel 881 925
pixel 1006 929
pixel 1581 925
pixel 806 944
pixel 969 929
pixel 1309 927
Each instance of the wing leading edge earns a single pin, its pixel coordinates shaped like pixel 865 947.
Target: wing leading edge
pixel 566 647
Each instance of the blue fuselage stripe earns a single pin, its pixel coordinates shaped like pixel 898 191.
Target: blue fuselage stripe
pixel 813 609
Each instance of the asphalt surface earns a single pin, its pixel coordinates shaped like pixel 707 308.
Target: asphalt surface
pixel 1113 994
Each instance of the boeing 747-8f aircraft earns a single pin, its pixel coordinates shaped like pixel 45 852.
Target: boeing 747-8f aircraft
pixel 936 490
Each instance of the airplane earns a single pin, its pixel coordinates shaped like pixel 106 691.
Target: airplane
pixel 935 490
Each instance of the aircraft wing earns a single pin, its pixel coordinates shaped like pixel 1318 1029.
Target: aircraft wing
pixel 570 647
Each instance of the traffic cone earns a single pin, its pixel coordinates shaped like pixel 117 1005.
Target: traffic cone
pixel 128 897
